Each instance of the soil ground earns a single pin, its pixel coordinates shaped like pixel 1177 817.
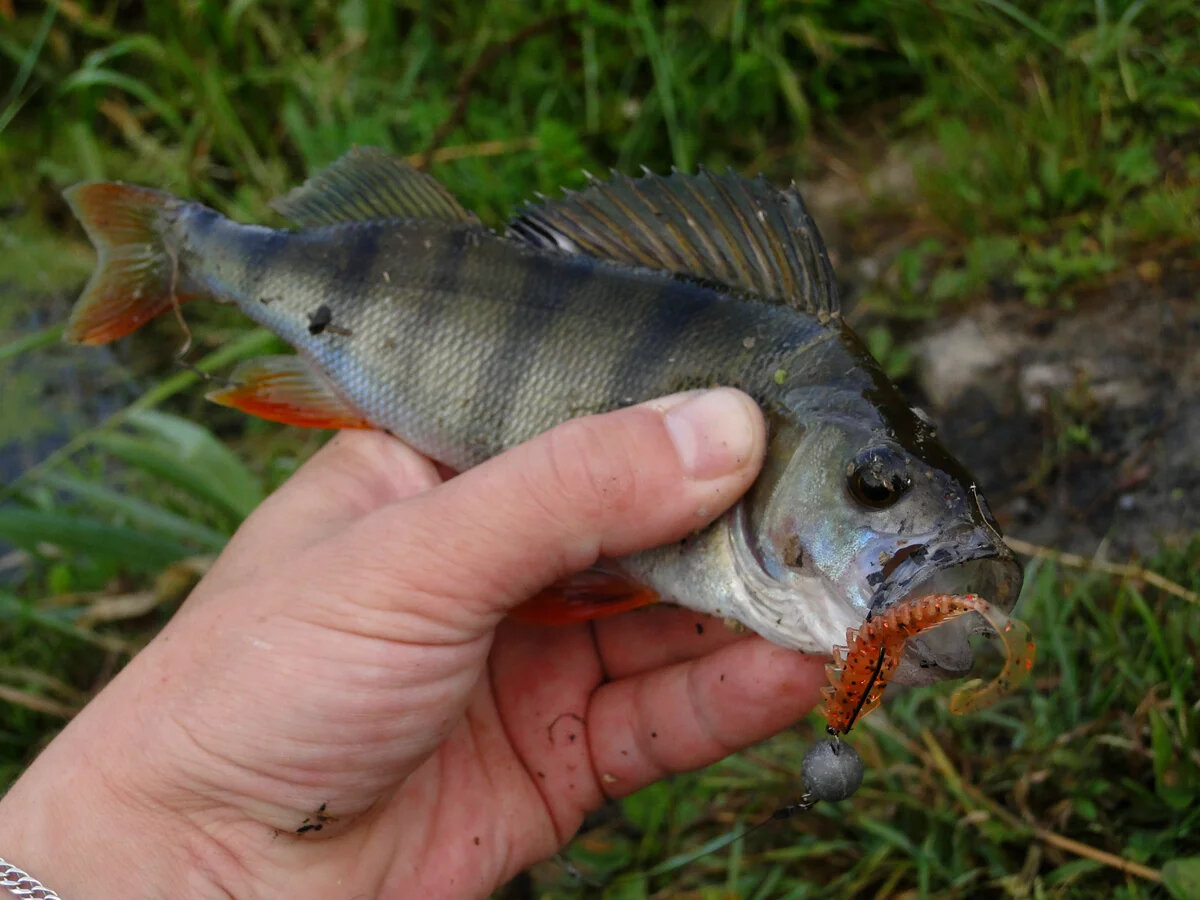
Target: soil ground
pixel 1083 427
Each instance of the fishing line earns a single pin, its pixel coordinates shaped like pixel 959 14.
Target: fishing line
pixel 187 332
pixel 862 701
pixel 806 802
pixel 175 304
pixel 831 770
pixel 984 514
pixel 205 376
pixel 181 354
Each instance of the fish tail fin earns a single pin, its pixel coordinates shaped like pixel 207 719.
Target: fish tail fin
pixel 136 275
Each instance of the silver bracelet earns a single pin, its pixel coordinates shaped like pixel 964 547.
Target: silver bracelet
pixel 20 884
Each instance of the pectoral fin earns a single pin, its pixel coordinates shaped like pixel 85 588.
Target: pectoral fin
pixel 592 594
pixel 287 389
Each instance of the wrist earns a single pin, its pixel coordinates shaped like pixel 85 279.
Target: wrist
pixel 85 831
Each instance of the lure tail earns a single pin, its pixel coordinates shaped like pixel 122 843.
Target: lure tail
pixel 137 274
pixel 1018 663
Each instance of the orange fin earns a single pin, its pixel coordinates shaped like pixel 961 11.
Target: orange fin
pixel 287 389
pixel 136 274
pixel 592 594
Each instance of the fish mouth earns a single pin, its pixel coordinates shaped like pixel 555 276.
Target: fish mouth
pixel 967 565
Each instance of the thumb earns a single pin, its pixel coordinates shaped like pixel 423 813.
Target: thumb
pixel 605 485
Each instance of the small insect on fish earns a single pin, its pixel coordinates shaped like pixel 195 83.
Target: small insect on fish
pixel 319 321
pixel 408 315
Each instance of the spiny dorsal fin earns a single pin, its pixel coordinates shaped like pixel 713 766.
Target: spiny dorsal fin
pixel 369 183
pixel 736 231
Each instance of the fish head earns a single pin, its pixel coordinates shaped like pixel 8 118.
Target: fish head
pixel 854 513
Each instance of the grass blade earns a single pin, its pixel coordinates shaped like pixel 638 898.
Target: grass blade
pixel 33 341
pixel 86 78
pixel 126 547
pixel 189 457
pixel 138 512
pixel 9 107
pixel 14 610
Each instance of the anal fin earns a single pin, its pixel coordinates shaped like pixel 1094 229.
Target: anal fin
pixel 287 389
pixel 591 594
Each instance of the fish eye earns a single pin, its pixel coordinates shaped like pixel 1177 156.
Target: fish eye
pixel 876 478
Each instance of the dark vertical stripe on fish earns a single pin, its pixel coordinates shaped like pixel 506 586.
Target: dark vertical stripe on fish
pixel 354 272
pixel 266 247
pixel 540 302
pixel 200 221
pixel 448 253
pixel 662 337
pixel 430 307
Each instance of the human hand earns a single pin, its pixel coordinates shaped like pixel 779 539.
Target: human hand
pixel 347 663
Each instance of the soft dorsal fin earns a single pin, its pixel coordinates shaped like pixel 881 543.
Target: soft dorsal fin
pixel 369 183
pixel 736 231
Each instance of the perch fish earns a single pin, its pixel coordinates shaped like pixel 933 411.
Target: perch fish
pixel 409 315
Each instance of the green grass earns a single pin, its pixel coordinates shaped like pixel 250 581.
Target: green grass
pixel 1051 153
pixel 1049 150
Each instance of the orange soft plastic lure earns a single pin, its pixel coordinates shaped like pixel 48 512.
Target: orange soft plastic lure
pixel 860 671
